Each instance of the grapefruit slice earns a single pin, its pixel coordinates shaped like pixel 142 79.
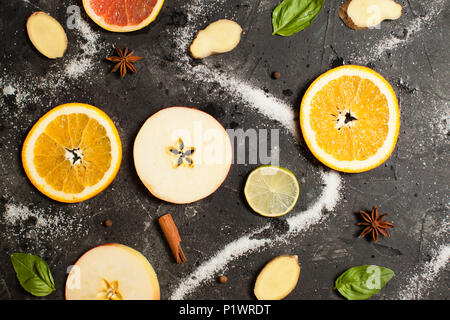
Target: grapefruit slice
pixel 72 153
pixel 182 154
pixel 112 271
pixel 122 15
pixel 350 119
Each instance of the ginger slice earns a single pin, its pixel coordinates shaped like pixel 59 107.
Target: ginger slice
pixel 278 278
pixel 47 35
pixel 219 37
pixel 363 14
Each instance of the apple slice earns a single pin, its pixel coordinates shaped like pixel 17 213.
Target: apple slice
pixel 182 154
pixel 112 272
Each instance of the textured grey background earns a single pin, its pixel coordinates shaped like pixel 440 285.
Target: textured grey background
pixel 412 186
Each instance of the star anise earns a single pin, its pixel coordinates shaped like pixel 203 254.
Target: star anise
pixel 124 61
pixel 374 223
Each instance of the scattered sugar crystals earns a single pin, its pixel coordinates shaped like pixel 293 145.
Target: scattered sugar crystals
pixel 240 91
pixel 419 281
pixel 298 222
pixel 34 89
pixel 80 65
pixel 9 90
pixel 40 225
pixel 414 26
pixel 424 278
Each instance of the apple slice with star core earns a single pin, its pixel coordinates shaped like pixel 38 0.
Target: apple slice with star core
pixel 112 271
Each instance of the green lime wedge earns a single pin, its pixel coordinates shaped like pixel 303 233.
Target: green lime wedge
pixel 271 191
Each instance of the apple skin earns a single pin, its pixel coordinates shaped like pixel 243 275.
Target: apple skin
pixel 155 283
pixel 152 190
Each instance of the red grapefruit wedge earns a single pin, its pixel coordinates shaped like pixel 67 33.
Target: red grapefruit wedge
pixel 122 15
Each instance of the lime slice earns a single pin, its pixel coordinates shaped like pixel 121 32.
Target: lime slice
pixel 271 191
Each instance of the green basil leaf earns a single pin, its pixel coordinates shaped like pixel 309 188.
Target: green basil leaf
pixel 362 282
pixel 44 272
pixel 37 287
pixel 33 274
pixel 292 16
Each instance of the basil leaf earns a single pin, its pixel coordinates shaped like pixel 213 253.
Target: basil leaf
pixel 292 16
pixel 44 272
pixel 33 274
pixel 362 282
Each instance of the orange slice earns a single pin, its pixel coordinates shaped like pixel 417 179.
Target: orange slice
pixel 72 153
pixel 350 119
pixel 122 15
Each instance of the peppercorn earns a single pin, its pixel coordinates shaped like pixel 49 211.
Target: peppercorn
pixel 107 223
pixel 276 75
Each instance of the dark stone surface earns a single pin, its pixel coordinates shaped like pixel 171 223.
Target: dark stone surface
pixel 412 186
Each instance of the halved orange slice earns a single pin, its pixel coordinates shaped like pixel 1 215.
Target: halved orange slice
pixel 122 15
pixel 350 118
pixel 72 153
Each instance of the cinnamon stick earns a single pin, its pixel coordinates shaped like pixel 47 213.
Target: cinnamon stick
pixel 172 236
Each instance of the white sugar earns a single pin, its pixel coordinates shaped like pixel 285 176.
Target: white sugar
pixel 40 224
pixel 28 88
pixel 443 125
pixel 424 279
pixel 328 200
pixel 9 90
pixel 240 90
pixel 207 270
pixel 419 281
pixel 76 68
pixel 32 4
pixel 89 47
pixel 244 92
pixel 299 222
pixel 88 35
pixel 17 214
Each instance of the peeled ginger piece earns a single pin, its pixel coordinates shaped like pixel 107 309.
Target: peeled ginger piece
pixel 219 37
pixel 362 14
pixel 278 278
pixel 47 35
